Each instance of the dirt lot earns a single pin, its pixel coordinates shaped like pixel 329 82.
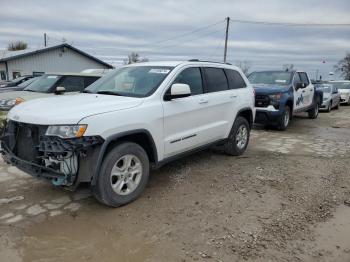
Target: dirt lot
pixel 286 199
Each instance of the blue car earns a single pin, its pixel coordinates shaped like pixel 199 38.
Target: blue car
pixel 281 94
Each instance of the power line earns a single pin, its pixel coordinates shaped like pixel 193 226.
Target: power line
pixel 287 23
pixel 189 33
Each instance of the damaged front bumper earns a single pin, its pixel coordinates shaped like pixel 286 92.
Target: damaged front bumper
pixel 48 157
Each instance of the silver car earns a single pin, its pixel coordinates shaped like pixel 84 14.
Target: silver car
pixel 331 97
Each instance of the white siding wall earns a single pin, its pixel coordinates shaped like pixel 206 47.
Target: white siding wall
pixel 52 61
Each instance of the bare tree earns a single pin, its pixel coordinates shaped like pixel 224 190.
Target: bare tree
pixel 288 67
pixel 244 66
pixel 17 45
pixel 343 67
pixel 134 57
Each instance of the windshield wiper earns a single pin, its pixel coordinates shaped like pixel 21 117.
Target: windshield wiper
pixel 87 91
pixel 107 92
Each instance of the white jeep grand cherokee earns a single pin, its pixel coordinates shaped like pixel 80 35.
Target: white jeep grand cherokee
pixel 139 116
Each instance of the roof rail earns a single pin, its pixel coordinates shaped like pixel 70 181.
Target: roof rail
pixel 197 60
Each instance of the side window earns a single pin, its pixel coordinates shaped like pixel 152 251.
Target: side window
pixel 192 77
pixel 235 79
pixel 216 79
pixel 296 79
pixel 89 81
pixel 73 83
pixel 304 78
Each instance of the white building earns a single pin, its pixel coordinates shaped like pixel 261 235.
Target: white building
pixel 58 58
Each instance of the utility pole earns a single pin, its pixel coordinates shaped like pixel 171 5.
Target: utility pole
pixel 45 39
pixel 226 37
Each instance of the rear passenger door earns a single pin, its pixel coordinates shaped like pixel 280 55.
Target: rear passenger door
pixel 222 101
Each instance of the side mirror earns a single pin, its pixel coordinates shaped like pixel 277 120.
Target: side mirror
pixel 60 90
pixel 178 91
pixel 299 85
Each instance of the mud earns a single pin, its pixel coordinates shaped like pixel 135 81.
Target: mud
pixel 286 199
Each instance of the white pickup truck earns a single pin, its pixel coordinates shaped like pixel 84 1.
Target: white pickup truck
pixel 139 116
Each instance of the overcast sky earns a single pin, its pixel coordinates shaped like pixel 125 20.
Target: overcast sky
pixel 111 29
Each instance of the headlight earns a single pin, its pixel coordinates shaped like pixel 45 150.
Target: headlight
pixel 11 102
pixel 66 131
pixel 275 97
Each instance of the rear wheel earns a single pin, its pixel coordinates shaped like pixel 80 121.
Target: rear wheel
pixel 238 139
pixel 284 120
pixel 123 176
pixel 313 113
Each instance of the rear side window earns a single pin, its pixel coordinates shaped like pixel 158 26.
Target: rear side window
pixel 304 78
pixel 192 77
pixel 73 83
pixel 235 79
pixel 215 80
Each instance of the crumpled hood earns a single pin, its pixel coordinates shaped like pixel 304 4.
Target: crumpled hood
pixel 69 109
pixel 261 89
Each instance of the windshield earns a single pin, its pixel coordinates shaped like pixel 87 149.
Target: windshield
pixel 43 83
pixel 324 88
pixel 18 79
pixel 270 78
pixel 341 85
pixel 26 83
pixel 135 81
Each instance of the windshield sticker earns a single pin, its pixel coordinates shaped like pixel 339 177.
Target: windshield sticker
pixel 51 76
pixel 159 71
pixel 280 81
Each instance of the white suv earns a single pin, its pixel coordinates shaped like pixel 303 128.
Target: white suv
pixel 139 116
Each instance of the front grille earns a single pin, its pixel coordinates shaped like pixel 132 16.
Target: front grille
pixel 262 101
pixel 23 140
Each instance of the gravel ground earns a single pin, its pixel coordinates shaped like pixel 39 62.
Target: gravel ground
pixel 286 199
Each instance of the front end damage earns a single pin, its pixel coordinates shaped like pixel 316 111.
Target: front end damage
pixel 64 161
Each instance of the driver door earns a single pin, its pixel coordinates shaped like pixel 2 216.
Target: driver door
pixel 298 93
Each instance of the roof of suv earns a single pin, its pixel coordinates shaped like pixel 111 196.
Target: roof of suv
pixel 177 63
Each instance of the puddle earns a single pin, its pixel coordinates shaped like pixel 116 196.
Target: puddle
pixel 333 236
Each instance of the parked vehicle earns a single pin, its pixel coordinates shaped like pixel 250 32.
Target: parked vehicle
pixel 281 94
pixel 19 87
pixel 47 85
pixel 140 116
pixel 16 81
pixel 344 89
pixel 331 97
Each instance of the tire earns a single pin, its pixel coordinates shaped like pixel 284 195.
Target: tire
pixel 284 120
pixel 313 113
pixel 329 108
pixel 238 139
pixel 111 189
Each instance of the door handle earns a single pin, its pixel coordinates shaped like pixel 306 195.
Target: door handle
pixel 303 91
pixel 203 101
pixel 233 96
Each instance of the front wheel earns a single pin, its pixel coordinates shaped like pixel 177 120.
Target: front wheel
pixel 329 108
pixel 238 139
pixel 123 176
pixel 284 120
pixel 313 113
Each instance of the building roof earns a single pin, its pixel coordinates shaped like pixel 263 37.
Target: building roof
pixel 10 55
